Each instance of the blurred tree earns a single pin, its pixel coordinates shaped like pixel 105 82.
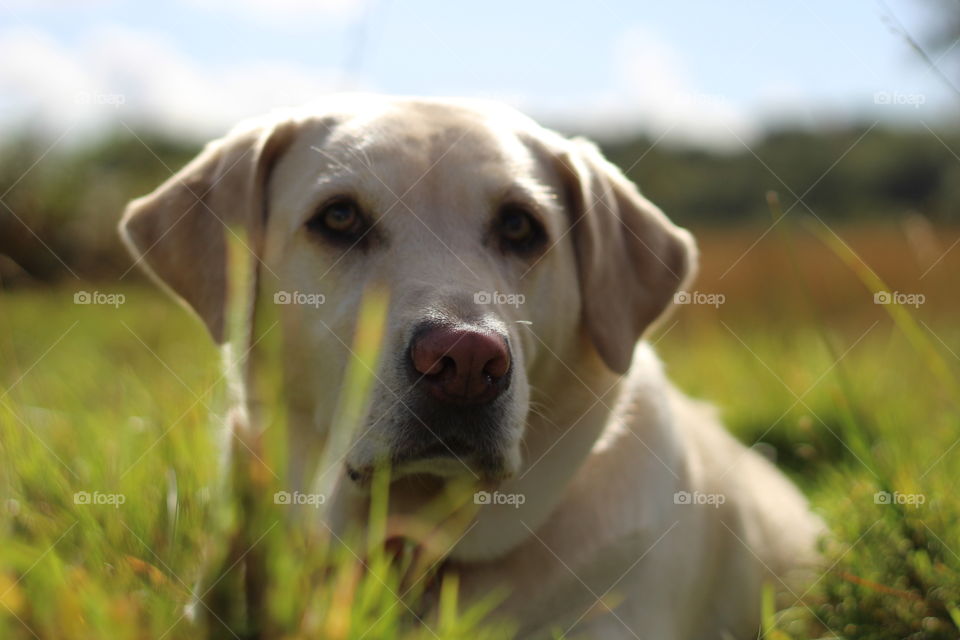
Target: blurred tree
pixel 61 215
pixel 58 215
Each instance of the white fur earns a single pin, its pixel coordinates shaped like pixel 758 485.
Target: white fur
pixel 599 459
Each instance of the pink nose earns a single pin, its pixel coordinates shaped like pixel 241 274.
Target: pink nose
pixel 462 365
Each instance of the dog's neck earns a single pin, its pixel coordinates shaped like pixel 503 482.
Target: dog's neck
pixel 561 431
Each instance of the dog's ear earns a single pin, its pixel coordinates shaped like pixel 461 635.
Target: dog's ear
pixel 179 232
pixel 630 258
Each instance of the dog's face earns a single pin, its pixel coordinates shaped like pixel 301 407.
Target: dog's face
pixel 461 221
pixel 505 250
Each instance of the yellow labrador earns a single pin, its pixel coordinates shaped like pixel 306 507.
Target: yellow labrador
pixel 523 270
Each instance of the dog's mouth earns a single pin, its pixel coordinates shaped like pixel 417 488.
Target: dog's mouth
pixel 449 442
pixel 439 461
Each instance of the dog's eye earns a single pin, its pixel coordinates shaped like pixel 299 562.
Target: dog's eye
pixel 518 230
pixel 339 220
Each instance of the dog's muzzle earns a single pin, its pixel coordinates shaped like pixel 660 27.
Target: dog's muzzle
pixel 453 416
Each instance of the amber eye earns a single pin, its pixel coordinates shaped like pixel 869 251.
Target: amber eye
pixel 339 220
pixel 518 230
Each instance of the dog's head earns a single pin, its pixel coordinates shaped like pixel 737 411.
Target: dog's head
pixel 508 251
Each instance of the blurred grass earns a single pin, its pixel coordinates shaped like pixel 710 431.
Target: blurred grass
pixel 120 401
pixel 115 400
pixel 788 368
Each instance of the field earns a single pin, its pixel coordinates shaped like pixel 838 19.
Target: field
pixel 857 401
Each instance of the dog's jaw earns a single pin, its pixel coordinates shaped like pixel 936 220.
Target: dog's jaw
pixel 484 469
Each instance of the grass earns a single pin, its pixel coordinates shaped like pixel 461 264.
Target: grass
pixel 119 401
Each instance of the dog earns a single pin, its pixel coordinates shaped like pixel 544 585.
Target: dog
pixel 523 270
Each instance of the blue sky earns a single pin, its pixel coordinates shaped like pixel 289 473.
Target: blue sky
pixel 694 69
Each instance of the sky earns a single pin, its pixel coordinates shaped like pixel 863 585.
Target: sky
pixel 696 71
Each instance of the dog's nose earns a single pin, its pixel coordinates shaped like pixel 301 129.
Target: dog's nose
pixel 461 365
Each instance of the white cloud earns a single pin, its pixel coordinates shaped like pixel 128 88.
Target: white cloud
pixel 118 73
pixel 138 76
pixel 664 96
pixel 653 92
pixel 38 78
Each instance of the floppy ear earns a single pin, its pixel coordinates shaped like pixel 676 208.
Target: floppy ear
pixel 179 232
pixel 631 259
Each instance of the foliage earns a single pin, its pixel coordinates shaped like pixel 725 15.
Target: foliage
pixel 62 212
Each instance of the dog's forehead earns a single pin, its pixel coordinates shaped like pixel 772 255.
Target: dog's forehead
pixel 410 140
pixel 436 159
